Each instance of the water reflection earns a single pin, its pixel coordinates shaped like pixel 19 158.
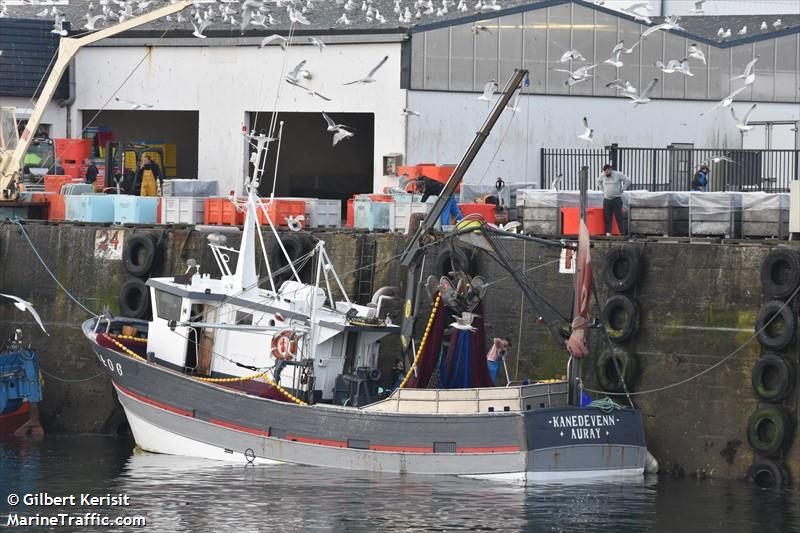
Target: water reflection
pixel 182 494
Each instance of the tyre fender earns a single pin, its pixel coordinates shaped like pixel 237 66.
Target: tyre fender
pixel 621 317
pixel 134 299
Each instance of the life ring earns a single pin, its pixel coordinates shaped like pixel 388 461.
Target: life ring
pixel 768 429
pixel 607 375
pixel 140 254
pixel 772 378
pixel 134 299
pixel 767 474
pixel 454 259
pixel 781 330
pixel 284 345
pixel 780 272
pixel 620 317
pixel 622 267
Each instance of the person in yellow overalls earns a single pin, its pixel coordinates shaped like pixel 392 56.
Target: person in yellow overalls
pixel 147 175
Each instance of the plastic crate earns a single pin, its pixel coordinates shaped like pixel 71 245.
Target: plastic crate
pixel 595 221
pixel 57 210
pixel 74 189
pixel 54 182
pixel 222 212
pixel 279 209
pixel 190 188
pixel 130 209
pixel 183 210
pixel 401 214
pixel 73 151
pixel 371 215
pixel 89 207
pixel 487 211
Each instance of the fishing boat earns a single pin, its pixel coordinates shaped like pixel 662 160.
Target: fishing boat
pixel 240 367
pixel 20 389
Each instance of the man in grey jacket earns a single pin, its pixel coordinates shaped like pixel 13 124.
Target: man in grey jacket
pixel 612 183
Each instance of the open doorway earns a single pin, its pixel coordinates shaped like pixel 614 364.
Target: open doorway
pixel 309 166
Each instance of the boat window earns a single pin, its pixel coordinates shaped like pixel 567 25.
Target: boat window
pixel 244 318
pixel 168 306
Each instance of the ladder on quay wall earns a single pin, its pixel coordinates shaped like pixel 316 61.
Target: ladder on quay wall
pixel 366 266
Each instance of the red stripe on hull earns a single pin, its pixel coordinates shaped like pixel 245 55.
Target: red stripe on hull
pixel 237 427
pixel 10 422
pixel 493 449
pixel 404 449
pixel 154 403
pixel 320 442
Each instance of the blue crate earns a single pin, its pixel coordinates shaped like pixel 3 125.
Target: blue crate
pixel 89 207
pixel 130 209
pixel 371 215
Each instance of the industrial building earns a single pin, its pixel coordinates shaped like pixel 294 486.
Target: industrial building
pixel 160 82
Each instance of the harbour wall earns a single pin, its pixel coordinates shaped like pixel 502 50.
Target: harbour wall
pixel 697 301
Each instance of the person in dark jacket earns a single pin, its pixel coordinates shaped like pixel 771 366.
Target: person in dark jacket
pixel 700 179
pixel 429 187
pixel 91 172
pixel 149 177
pixel 59 170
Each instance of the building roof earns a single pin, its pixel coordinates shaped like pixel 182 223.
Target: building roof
pixel 324 15
pixel 27 49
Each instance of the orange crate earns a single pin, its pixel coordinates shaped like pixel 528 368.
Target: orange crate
pixel 54 182
pixel 73 170
pixel 430 170
pixel 73 151
pixel 445 171
pixel 412 172
pixel 350 214
pixel 222 212
pixel 280 209
pixel 595 221
pixel 381 197
pixel 487 211
pixel 57 209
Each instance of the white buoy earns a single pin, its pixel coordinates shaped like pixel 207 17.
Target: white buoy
pixel 650 464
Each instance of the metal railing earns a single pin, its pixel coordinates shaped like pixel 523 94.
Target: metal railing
pixel 672 168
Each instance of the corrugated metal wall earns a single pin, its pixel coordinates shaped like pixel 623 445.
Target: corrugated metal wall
pixel 28 47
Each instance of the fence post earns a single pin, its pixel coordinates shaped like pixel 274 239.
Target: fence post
pixel 613 156
pixel 541 169
pixel 654 169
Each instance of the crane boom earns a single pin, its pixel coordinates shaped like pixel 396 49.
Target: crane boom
pixel 412 255
pixel 11 162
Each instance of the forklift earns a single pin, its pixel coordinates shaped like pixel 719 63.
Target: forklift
pixel 122 161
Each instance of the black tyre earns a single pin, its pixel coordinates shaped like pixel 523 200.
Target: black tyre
pixel 296 246
pixel 609 368
pixel 768 474
pixel 623 264
pixel 776 324
pixel 772 378
pixel 620 317
pixel 768 429
pixel 140 255
pixel 780 272
pixel 453 259
pixel 134 299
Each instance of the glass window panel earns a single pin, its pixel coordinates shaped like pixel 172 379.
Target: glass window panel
pixel 719 72
pixel 674 48
pixel 652 51
pixel 786 81
pixel 630 32
pixel 437 53
pixel 168 306
pixel 486 53
pixel 510 46
pixel 583 41
pixel 559 22
pixel 417 60
pixel 763 87
pixel 740 57
pixel 605 39
pixel 697 85
pixel 535 49
pixel 462 58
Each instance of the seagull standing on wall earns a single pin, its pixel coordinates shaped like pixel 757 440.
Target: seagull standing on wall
pixel 24 305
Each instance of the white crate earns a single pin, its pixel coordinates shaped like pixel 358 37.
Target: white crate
pixel 323 213
pixel 400 214
pixel 182 210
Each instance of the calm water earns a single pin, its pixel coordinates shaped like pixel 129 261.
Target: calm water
pixel 180 494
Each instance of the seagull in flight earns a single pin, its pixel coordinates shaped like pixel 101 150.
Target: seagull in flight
pixel 24 305
pixel 340 131
pixel 624 85
pixel 615 52
pixel 408 112
pixel 134 105
pixel 643 98
pixel 198 30
pixel 742 125
pixel 670 23
pixel 308 90
pixel 582 74
pixel 633 9
pixel 696 53
pixel 488 91
pixel 298 72
pixel 588 132
pixel 282 41
pixel 571 55
pixel 91 21
pixel 318 43
pixel 476 29
pixel 368 78
pixel 728 100
pixel 748 75
pixel 464 322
